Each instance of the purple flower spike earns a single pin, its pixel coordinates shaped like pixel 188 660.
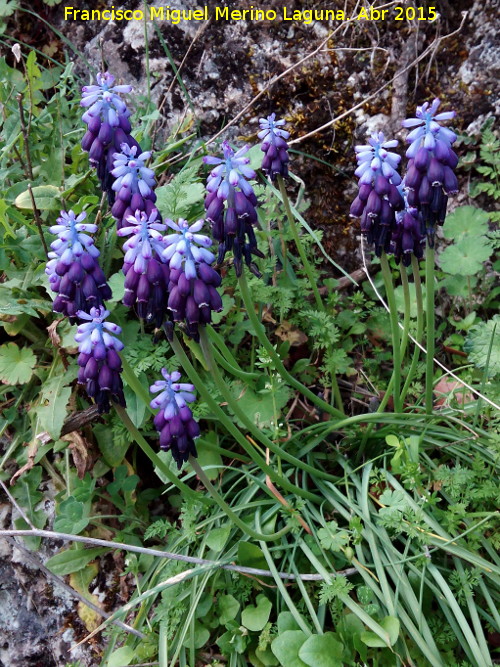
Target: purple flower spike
pixel 379 197
pixel 193 282
pixel 146 273
pixel 108 126
pixel 175 422
pixel 134 185
pixel 99 361
pixel 409 234
pixel 230 205
pixel 73 270
pixel 274 145
pixel 430 178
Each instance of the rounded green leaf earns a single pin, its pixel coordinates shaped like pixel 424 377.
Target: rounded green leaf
pixel 322 651
pixel 286 648
pixel 254 617
pixel 47 198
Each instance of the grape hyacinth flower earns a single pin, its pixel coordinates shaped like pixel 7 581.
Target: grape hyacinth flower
pixel 379 197
pixel 175 422
pixel 146 273
pixel 73 270
pixel 193 282
pixel 409 234
pixel 430 178
pixel 99 361
pixel 134 185
pixel 274 145
pixel 108 126
pixel 230 206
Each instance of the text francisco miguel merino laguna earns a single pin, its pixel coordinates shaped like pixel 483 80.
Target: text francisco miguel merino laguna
pixel 203 13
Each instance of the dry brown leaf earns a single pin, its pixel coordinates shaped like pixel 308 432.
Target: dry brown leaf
pixel 80 450
pixel 290 333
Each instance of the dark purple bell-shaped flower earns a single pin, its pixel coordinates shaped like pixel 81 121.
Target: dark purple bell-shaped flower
pixel 134 185
pixel 379 197
pixel 146 272
pixel 409 234
pixel 175 422
pixel 430 178
pixel 73 269
pixel 193 282
pixel 99 361
pixel 274 145
pixel 231 207
pixel 108 126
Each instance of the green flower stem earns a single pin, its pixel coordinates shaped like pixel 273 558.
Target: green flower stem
pixel 154 458
pixel 229 512
pixel 278 364
pixel 310 274
pixel 420 326
pixel 293 228
pixel 232 429
pixel 430 328
pixel 257 434
pixel 396 342
pixel 407 308
pixel 237 372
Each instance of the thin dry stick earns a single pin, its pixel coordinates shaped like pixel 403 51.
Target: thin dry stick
pixel 165 554
pixel 435 44
pixel 442 366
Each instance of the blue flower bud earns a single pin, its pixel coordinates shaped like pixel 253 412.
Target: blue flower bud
pixel 175 422
pixel 99 362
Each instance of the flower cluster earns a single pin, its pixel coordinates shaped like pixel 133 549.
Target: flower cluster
pixel 134 185
pixel 99 361
pixel 146 273
pixel 430 178
pixel 230 205
pixel 379 197
pixel 193 282
pixel 174 422
pixel 73 270
pixel 274 145
pixel 108 126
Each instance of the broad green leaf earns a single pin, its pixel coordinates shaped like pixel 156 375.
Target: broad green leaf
pixel 54 397
pixel 228 607
pixel 201 636
pixel 322 651
pixel 217 538
pixel 117 284
pixel 466 256
pixel 251 556
pixel 483 345
pixel 286 621
pixel 121 657
pixel 16 364
pixel 210 461
pixel 286 648
pixel 255 617
pixel 47 198
pixel 391 625
pixel 72 560
pixel 466 221
pixel 113 445
pixel 259 407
